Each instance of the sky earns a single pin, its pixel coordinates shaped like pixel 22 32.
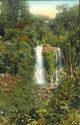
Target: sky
pixel 48 8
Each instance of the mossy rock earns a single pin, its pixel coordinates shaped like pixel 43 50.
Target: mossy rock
pixel 50 65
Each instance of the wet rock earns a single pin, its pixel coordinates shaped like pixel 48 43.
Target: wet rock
pixel 44 92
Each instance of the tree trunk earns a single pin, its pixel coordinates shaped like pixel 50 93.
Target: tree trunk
pixel 71 70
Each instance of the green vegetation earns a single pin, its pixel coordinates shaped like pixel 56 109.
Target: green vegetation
pixel 64 104
pixel 50 65
pixel 21 32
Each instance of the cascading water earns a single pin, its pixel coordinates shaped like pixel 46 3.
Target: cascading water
pixel 39 67
pixel 58 64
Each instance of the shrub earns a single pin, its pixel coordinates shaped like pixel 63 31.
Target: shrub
pixel 65 102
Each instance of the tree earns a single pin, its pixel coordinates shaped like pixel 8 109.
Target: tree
pixel 13 10
pixel 66 32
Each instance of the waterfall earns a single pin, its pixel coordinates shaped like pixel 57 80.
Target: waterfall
pixel 58 64
pixel 39 67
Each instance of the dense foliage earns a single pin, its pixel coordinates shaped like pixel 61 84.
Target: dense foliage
pixel 65 102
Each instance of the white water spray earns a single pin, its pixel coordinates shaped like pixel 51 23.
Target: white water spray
pixel 58 64
pixel 39 67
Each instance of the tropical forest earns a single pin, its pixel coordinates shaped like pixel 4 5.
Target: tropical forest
pixel 39 62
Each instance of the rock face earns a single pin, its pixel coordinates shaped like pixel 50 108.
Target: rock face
pixel 44 92
pixel 48 47
pixel 49 58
